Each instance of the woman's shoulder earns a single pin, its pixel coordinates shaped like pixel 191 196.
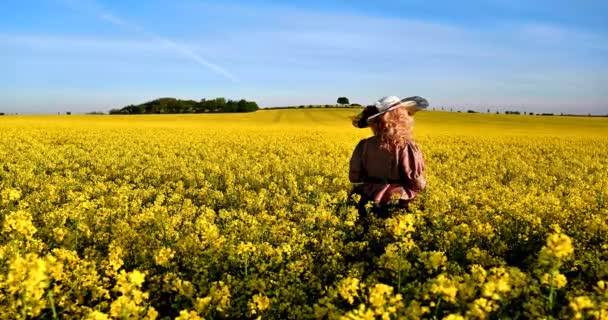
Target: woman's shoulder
pixel 369 140
pixel 412 148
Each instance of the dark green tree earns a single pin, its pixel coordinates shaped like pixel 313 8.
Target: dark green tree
pixel 229 106
pixel 343 100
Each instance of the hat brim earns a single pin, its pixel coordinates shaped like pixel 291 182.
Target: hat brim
pixel 413 104
pixel 360 120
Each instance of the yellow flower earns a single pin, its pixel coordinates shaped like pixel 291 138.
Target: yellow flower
pixel 401 224
pixel 382 301
pixel 361 313
pixel 348 289
pixel 220 294
pixel 163 256
pixel 25 283
pixel 560 245
pixel 480 308
pixel 202 304
pixel 434 260
pixel 579 304
pixel 188 315
pixel 96 315
pixel 557 280
pixel 152 314
pixel 378 295
pixel 19 222
pixel 14 194
pixel 258 303
pixel 59 234
pixel 478 273
pixel 444 287
pixel 137 278
pixel 115 257
pixel 131 303
pixel 244 248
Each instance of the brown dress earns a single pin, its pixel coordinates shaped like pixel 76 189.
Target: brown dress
pixel 380 175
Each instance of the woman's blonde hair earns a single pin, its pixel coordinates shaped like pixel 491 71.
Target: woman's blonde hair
pixel 394 129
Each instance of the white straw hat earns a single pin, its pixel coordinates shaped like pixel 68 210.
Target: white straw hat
pixel 386 104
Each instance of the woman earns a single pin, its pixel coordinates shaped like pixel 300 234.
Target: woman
pixel 388 168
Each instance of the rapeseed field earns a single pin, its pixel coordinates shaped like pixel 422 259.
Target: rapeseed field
pixel 247 216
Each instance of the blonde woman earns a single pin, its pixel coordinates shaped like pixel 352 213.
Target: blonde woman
pixel 387 169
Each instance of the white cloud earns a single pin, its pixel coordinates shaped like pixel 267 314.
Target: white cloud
pixel 66 43
pixel 554 34
pixel 92 7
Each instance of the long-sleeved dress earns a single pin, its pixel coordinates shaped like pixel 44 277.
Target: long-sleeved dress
pixel 380 175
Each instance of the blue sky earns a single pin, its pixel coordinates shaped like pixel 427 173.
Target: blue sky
pixel 86 55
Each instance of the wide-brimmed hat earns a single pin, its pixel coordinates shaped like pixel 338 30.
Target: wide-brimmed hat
pixel 386 104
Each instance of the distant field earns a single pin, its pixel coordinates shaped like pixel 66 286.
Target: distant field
pixel 247 215
pixel 427 123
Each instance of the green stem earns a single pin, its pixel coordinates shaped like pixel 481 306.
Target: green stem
pixel 437 308
pixel 52 302
pixel 23 311
pixel 399 271
pixel 246 265
pixel 550 302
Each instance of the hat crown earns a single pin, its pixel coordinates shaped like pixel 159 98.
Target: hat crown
pixel 386 102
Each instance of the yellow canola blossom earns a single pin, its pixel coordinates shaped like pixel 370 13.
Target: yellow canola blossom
pixel 237 216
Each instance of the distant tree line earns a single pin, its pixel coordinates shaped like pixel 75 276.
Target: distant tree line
pixel 582 115
pixel 341 102
pixel 515 112
pixel 172 105
pixel 317 106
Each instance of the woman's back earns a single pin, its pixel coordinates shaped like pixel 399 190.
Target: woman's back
pixel 379 171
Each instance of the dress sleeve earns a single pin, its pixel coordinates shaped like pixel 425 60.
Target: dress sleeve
pixel 356 172
pixel 413 167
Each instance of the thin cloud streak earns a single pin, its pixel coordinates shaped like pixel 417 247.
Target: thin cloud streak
pixel 94 8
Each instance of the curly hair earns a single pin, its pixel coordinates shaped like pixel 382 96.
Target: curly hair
pixel 394 129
